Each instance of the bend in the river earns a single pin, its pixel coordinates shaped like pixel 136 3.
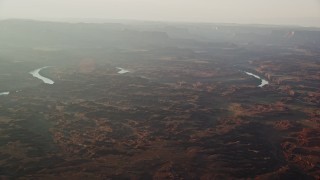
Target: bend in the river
pixel 35 73
pixel 263 81
pixel 122 71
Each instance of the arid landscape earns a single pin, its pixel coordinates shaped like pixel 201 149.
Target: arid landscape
pixel 150 103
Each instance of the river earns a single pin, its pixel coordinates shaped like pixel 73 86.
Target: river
pixel 4 93
pixel 263 81
pixel 122 71
pixel 35 73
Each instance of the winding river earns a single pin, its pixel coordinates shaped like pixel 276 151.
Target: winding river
pixel 122 71
pixel 4 93
pixel 263 81
pixel 35 73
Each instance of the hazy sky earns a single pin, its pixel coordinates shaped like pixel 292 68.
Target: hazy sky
pixel 303 12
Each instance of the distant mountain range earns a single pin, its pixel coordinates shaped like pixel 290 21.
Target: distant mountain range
pixel 27 33
pixel 305 21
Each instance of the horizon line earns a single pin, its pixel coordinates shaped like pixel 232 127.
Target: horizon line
pixel 109 20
